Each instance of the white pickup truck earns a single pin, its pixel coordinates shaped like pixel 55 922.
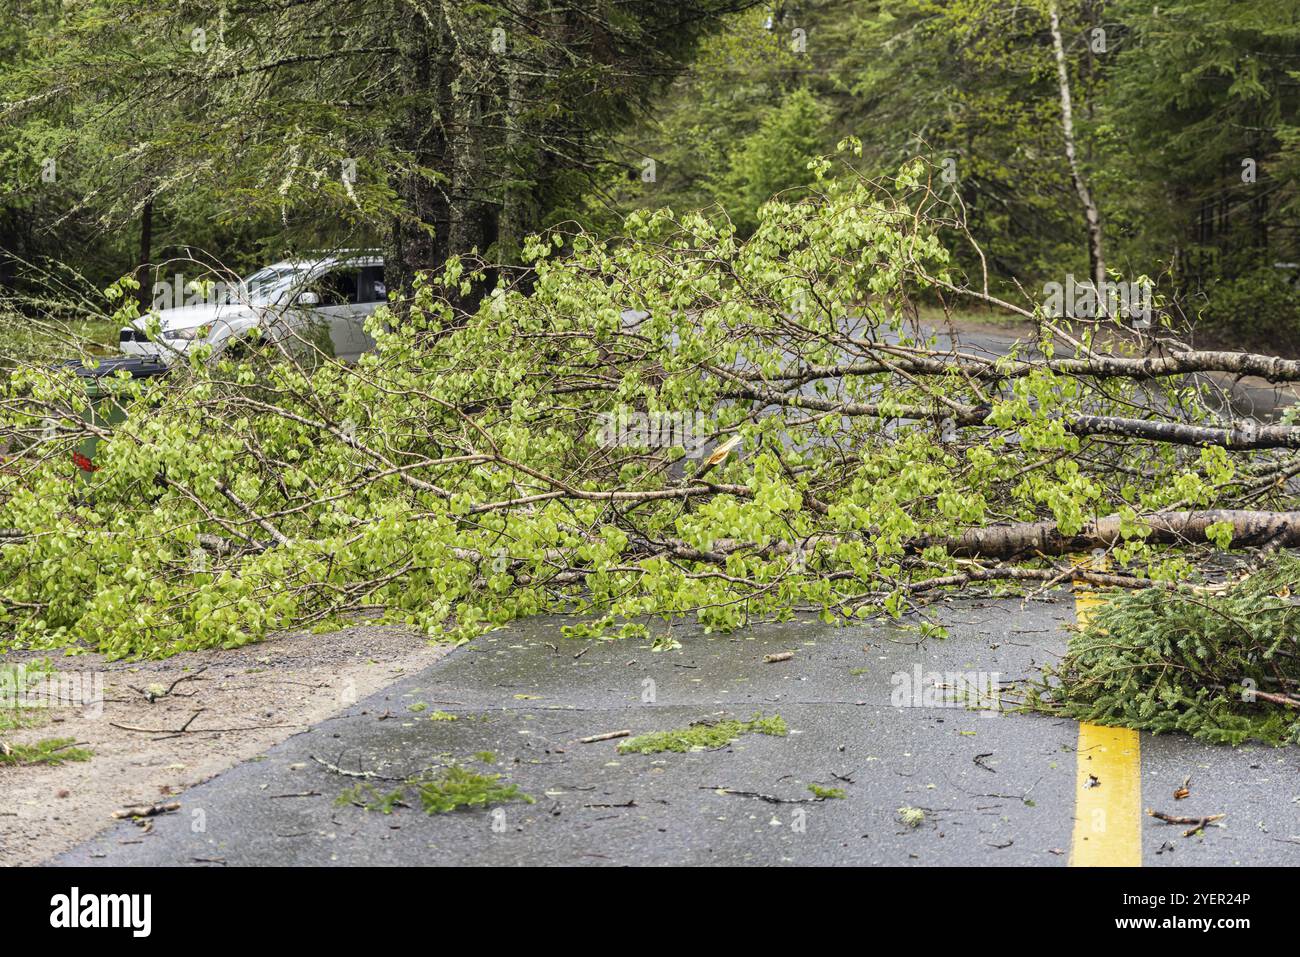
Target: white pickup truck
pixel 322 302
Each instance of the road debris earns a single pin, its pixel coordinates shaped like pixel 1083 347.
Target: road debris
pixel 1197 823
pixel 607 736
pixel 146 810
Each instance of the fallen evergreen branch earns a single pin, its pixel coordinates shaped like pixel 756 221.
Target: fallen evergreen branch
pixel 1221 664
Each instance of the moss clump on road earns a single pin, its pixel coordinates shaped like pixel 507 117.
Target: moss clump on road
pixel 911 816
pixel 702 735
pixel 827 794
pixel 450 789
pixel 455 787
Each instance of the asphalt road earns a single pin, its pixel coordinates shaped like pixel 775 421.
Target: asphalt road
pixel 992 788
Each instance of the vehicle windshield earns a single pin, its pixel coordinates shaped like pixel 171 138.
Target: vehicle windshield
pixel 269 284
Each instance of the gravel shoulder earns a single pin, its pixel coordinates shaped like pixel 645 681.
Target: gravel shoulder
pixel 261 695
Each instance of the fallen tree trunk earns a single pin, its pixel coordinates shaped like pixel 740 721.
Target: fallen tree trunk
pixel 1242 439
pixel 1188 362
pixel 1251 437
pixel 1249 528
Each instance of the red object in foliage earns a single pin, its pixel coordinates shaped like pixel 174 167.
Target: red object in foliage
pixel 83 463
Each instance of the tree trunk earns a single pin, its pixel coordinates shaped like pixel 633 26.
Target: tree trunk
pixel 1249 528
pixel 145 294
pixel 1096 254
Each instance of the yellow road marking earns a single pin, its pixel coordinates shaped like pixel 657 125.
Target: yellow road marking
pixel 1108 786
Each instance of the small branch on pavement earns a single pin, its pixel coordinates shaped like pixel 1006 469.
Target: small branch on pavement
pixel 769 798
pixel 146 810
pixel 1197 823
pixel 607 736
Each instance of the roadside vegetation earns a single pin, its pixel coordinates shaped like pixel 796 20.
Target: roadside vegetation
pixel 50 751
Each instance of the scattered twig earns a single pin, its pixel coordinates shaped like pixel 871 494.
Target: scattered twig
pixel 369 775
pixel 146 810
pixel 769 798
pixel 1197 823
pixel 151 696
pixel 607 736
pixel 186 729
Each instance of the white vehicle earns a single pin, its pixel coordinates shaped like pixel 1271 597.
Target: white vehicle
pixel 301 303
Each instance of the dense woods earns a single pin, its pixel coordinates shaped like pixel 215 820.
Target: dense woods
pixel 1148 140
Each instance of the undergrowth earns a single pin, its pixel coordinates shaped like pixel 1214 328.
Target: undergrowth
pixel 50 751
pixel 17 682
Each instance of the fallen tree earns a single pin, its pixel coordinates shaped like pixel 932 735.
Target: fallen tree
pixel 677 423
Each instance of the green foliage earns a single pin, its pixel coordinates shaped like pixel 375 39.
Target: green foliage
pixel 331 122
pixel 455 787
pixel 773 160
pixel 739 77
pixel 1199 88
pixel 48 751
pixel 365 795
pixel 702 735
pixel 449 789
pixel 911 816
pixel 1169 100
pixel 1194 660
pixel 16 681
pixel 1257 305
pixel 457 478
pixel 826 794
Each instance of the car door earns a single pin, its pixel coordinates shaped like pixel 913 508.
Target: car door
pixel 339 292
pixel 373 294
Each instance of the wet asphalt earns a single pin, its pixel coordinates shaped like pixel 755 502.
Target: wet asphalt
pixel 983 788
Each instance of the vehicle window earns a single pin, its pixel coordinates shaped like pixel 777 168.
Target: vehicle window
pixel 373 288
pixel 338 288
pixel 267 284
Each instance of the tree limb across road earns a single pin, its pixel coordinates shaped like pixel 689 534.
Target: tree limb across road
pixel 684 425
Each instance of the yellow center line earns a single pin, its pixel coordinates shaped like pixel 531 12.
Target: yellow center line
pixel 1108 785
